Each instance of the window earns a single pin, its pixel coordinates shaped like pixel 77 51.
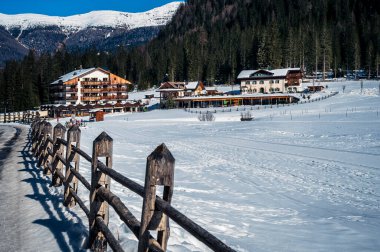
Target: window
pixel 277 81
pixel 105 79
pixel 271 82
pixel 261 82
pixel 253 82
pixel 254 90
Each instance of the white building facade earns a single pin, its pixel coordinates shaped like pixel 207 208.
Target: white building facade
pixel 286 80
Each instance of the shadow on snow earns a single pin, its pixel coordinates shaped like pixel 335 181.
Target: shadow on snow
pixel 60 220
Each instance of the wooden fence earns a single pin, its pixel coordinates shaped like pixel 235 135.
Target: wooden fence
pixel 22 117
pixel 60 159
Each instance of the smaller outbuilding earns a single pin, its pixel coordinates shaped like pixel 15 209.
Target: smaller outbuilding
pixel 315 88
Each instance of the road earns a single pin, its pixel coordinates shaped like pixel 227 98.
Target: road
pixel 32 217
pixel 10 143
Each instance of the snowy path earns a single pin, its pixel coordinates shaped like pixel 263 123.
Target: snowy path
pixel 32 217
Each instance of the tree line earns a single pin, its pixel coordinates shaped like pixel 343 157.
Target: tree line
pixel 213 40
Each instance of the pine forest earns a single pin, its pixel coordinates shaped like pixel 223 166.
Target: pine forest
pixel 213 40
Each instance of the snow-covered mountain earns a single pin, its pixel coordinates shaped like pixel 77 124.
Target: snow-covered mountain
pixel 115 19
pixel 105 29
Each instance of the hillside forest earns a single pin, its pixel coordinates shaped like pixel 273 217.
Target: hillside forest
pixel 213 40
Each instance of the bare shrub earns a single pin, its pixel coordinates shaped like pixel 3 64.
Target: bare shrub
pixel 207 117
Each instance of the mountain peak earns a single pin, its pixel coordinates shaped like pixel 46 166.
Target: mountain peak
pixel 107 18
pixel 105 30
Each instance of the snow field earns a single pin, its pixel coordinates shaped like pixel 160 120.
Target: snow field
pixel 298 178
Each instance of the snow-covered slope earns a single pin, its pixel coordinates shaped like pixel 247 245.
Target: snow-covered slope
pixel 155 17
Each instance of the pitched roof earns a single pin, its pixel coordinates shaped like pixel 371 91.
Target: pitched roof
pixel 171 84
pixel 276 72
pixel 72 75
pixel 192 85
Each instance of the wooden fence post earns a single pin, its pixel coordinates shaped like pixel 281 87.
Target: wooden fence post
pixel 102 147
pixel 159 171
pixel 39 138
pixel 73 138
pixel 45 144
pixel 58 149
pixel 33 126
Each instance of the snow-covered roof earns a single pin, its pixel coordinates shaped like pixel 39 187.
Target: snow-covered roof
pixel 276 72
pixel 169 90
pixel 283 71
pixel 72 75
pixel 192 85
pixel 246 74
pixel 231 97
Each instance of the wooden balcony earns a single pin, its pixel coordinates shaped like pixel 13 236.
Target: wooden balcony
pixel 106 98
pixel 104 90
pixel 95 83
pixel 115 97
pixel 115 89
pixel 91 90
pixel 71 90
pixel 91 98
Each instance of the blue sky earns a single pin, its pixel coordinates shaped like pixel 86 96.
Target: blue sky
pixel 72 7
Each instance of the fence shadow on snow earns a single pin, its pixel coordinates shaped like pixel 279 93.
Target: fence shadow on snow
pixel 56 220
pixel 60 159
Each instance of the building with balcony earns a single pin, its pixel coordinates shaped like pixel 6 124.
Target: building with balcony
pixel 286 80
pixel 89 86
pixel 171 90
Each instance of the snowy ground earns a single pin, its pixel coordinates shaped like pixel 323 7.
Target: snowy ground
pixel 32 215
pixel 298 178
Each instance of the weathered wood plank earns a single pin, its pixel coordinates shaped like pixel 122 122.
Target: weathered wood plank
pixel 126 216
pixel 75 173
pixel 102 226
pixel 159 171
pixel 73 139
pixel 102 147
pixel 58 149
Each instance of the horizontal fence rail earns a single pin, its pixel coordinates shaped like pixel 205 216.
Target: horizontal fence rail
pixel 21 117
pixel 60 159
